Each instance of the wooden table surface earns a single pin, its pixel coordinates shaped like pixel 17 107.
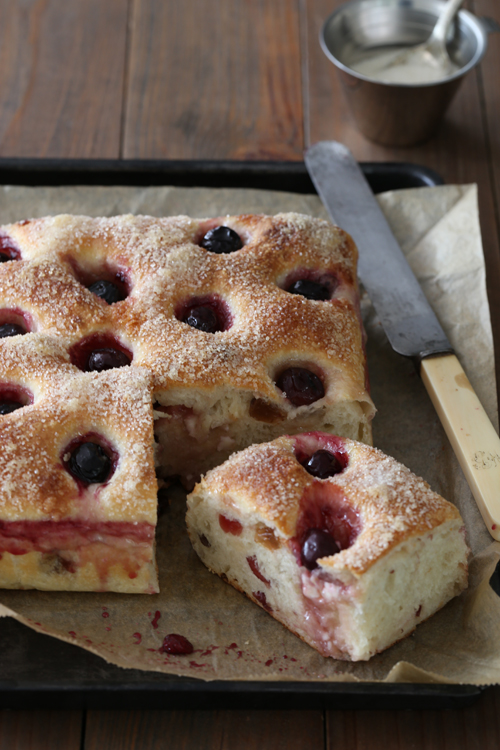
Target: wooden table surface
pixel 226 79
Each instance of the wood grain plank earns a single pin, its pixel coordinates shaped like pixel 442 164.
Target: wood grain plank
pixel 473 728
pixel 459 150
pixel 40 730
pixel 214 80
pixel 204 730
pixel 61 77
pixel 488 80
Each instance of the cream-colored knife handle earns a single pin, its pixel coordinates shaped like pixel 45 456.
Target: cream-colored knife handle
pixel 470 432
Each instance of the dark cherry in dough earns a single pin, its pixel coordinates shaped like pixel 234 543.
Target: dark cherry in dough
pixel 222 240
pixel 107 291
pixel 106 359
pixel 7 407
pixel 301 387
pixel 317 543
pixel 309 289
pixel 323 464
pixel 203 318
pixel 11 329
pixel 90 463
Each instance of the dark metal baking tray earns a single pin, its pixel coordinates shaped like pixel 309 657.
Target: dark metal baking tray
pixel 288 176
pixel 43 672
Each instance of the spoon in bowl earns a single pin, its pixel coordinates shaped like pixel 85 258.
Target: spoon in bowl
pixel 424 63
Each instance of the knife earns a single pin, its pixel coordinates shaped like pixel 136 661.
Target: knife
pixel 409 322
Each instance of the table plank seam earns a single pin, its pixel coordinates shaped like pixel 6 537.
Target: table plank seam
pixel 126 78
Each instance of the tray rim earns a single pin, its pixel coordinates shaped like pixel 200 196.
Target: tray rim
pixel 66 171
pixel 113 172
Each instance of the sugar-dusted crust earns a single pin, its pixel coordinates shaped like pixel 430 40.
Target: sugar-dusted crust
pixel 402 549
pixel 208 393
pixel 393 503
pixel 165 267
pixel 225 381
pixel 55 532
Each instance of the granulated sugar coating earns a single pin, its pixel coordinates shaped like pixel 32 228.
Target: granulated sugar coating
pixel 148 391
pixel 392 502
pixel 351 563
pixel 58 532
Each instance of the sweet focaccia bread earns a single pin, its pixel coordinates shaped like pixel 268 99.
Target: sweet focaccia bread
pixel 249 325
pixel 340 543
pixel 224 331
pixel 77 478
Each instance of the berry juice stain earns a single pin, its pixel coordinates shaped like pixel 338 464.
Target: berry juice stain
pixel 154 621
pixel 261 597
pixel 269 662
pixel 105 614
pixel 72 633
pixel 254 567
pixel 138 638
pixel 177 645
pixel 234 647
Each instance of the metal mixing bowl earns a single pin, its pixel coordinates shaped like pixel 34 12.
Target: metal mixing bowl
pixel 395 114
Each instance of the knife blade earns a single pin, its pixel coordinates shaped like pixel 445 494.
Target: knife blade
pixel 409 322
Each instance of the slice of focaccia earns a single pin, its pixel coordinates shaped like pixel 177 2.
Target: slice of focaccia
pixel 340 543
pixel 77 479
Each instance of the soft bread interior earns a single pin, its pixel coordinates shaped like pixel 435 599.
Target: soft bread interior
pixel 365 614
pixel 196 431
pixel 341 614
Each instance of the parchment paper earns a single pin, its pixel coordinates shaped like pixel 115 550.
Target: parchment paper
pixel 438 229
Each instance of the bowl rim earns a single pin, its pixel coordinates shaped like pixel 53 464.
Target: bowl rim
pixel 465 17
